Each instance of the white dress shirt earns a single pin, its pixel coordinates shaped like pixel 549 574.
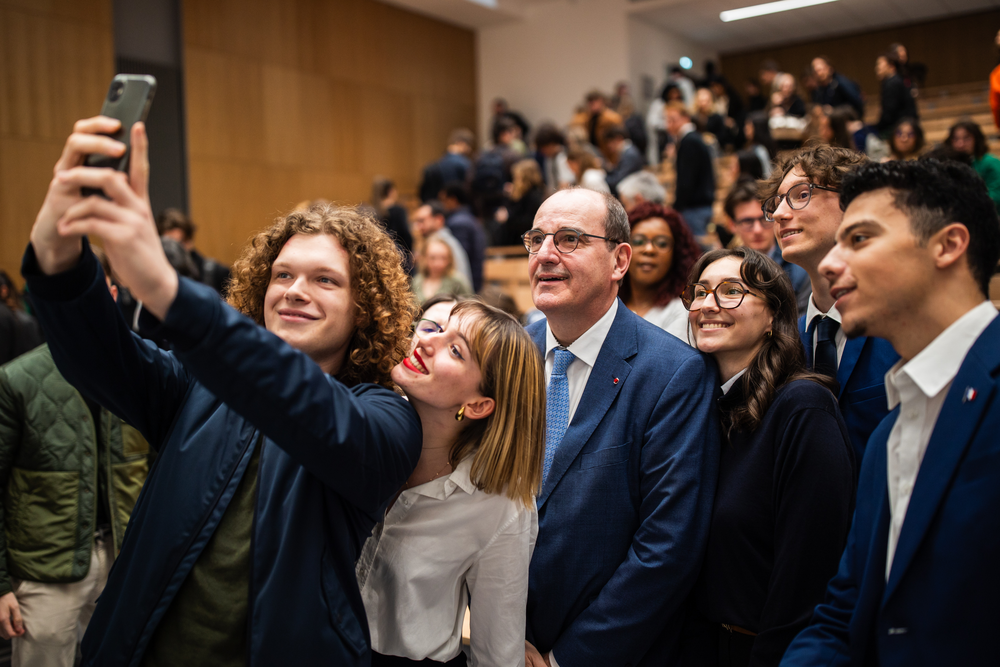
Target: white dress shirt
pixel 840 338
pixel 728 384
pixel 586 348
pixel 920 386
pixel 672 318
pixel 442 545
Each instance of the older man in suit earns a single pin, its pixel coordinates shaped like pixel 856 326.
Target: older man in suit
pixel 631 454
pixel 800 197
pixel 918 583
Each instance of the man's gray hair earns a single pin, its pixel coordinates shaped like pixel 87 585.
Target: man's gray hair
pixel 616 227
pixel 643 183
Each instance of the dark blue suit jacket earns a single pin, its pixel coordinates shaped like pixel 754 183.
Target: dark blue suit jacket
pixel 623 516
pixel 861 375
pixel 939 606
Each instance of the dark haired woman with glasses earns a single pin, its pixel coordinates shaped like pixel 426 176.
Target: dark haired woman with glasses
pixel 967 137
pixel 663 251
pixel 786 485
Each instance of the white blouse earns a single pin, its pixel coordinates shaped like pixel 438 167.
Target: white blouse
pixel 672 318
pixel 445 544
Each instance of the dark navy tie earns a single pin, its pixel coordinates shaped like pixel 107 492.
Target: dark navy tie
pixel 825 359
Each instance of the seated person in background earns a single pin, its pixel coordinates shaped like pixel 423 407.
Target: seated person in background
pixel 466 228
pixel 524 196
pixel 597 119
pixel 708 119
pixel 834 89
pixel 663 252
pixel 462 529
pixel 551 156
pixel 587 169
pixel 429 219
pixel 628 158
pixel 278 446
pixel 436 272
pixel 785 101
pixel 752 229
pixel 71 473
pixel 640 187
pixel 454 165
pixel 19 331
pixel 833 127
pixel 174 223
pixel 896 98
pixel 967 137
pixel 906 141
pixel 385 202
pixel 759 141
pixel 787 474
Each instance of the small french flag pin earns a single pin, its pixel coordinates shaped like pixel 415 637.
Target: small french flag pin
pixel 969 395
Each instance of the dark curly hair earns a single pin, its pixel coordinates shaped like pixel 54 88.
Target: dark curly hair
pixel 822 164
pixel 686 252
pixel 385 305
pixel 781 358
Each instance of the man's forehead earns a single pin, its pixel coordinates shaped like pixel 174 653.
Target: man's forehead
pixel 582 209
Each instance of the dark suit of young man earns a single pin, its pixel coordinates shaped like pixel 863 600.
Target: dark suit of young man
pixel 625 505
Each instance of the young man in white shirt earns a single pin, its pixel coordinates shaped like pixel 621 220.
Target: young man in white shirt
pixel 918 582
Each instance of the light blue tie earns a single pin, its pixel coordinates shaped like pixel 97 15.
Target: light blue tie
pixel 557 407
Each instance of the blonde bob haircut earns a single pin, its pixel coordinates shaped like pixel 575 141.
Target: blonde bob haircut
pixel 508 445
pixel 384 305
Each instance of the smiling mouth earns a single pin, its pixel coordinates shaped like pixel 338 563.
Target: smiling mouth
pixel 838 292
pixel 295 316
pixel 415 364
pixel 551 279
pixel 791 232
pixel 713 325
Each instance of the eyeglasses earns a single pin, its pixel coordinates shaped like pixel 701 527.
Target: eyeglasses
pixel 425 326
pixel 748 223
pixel 659 242
pixel 798 197
pixel 728 295
pixel 566 240
pixel 904 133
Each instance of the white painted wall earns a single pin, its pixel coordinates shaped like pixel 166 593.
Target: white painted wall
pixel 546 62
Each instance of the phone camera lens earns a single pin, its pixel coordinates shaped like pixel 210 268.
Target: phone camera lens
pixel 117 88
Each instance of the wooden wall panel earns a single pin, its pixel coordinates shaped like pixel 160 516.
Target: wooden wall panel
pixel 56 60
pixel 955 50
pixel 291 100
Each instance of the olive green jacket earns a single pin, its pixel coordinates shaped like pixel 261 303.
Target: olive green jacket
pixel 52 469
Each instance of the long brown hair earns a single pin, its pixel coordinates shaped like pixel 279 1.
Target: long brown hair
pixel 781 357
pixel 508 444
pixel 385 308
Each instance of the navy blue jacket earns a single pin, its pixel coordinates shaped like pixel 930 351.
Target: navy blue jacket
pixel 695 173
pixel 630 161
pixel 332 457
pixel 467 229
pixel 861 375
pixel 939 606
pixel 623 516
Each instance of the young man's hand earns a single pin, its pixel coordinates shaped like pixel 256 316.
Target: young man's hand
pixel 11 624
pixel 124 223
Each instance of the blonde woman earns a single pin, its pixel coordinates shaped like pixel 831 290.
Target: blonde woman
pixel 525 195
pixel 436 272
pixel 463 527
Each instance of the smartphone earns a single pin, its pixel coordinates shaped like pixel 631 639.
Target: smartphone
pixel 128 100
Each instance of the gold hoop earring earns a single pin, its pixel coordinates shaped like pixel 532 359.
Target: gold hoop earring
pixel 461 414
pixel 768 333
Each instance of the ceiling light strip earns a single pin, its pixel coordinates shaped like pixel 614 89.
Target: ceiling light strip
pixel 768 8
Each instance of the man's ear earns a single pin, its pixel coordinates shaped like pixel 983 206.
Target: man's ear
pixel 480 408
pixel 950 244
pixel 623 257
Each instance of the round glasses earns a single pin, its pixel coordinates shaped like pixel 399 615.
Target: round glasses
pixel 659 242
pixel 727 295
pixel 748 223
pixel 798 197
pixel 425 326
pixel 566 240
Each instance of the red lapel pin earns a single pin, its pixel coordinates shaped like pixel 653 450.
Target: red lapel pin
pixel 616 380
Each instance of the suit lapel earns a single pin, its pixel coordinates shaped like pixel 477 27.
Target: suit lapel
pixel 598 395
pixel 806 337
pixel 852 352
pixel 951 437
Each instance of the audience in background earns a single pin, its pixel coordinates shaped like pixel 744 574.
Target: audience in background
pixel 785 101
pixel 708 119
pixel 454 165
pixel 466 228
pixel 550 153
pixel 597 119
pixel 632 120
pixel 174 223
pixel 587 169
pixel 663 252
pixel 685 85
pixel 429 219
pixel 751 228
pixel 642 186
pixel 436 273
pixel 655 124
pixel 19 331
pixel 759 141
pixel 896 98
pixel 523 199
pixel 906 141
pixel 492 169
pixel 695 168
pixel 834 89
pixel 501 113
pixel 914 74
pixel 385 203
pixel 787 475
pixel 967 137
pixel 628 158
pixel 833 127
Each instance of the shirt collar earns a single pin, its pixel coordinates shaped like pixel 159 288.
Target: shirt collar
pixel 686 129
pixel 812 311
pixel 588 346
pixel 935 366
pixel 728 384
pixel 443 487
